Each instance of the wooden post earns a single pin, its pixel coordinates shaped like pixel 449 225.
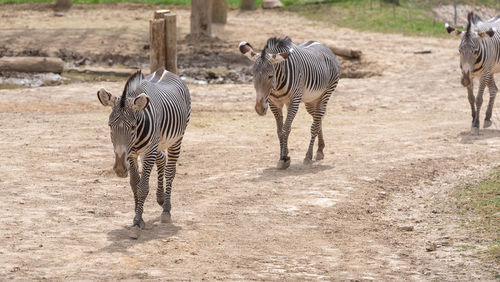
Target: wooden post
pixel 219 11
pixel 248 4
pixel 201 18
pixel 163 41
pixel 171 43
pixel 156 44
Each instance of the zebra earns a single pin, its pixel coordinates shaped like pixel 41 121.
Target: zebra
pixel 479 57
pixel 286 74
pixel 150 117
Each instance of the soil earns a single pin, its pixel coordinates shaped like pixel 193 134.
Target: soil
pixel 380 206
pixel 118 36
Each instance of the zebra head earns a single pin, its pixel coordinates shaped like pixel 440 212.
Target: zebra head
pixel 470 46
pixel 123 120
pixel 263 73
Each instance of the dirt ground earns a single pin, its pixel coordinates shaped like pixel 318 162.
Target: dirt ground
pixel 398 146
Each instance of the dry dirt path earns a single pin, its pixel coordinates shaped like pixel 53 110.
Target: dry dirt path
pixel 397 146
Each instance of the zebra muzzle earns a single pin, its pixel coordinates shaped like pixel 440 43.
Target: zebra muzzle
pixel 465 79
pixel 261 108
pixel 121 165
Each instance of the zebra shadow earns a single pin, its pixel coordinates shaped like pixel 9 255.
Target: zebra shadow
pixel 466 137
pixel 296 169
pixel 121 241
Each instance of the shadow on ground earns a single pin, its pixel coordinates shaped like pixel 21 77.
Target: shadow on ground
pixel 466 137
pixel 154 230
pixel 272 173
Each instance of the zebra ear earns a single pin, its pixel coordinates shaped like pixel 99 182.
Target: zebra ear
pixel 278 58
pixel 106 98
pixel 140 102
pixel 453 31
pixel 247 50
pixel 486 34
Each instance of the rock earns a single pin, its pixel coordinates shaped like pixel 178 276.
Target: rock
pixel 270 4
pixel 406 228
pixel 444 243
pixel 430 246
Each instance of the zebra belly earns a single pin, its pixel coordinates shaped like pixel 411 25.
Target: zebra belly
pixel 166 143
pixel 310 96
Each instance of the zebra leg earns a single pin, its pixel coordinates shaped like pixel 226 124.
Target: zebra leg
pixel 284 162
pixel 134 177
pixel 173 155
pixel 479 103
pixel 278 116
pixel 493 92
pixel 321 144
pixel 472 99
pixel 142 192
pixel 160 164
pixel 311 109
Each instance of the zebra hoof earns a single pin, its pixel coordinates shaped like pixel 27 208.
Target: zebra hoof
pixel 487 123
pixel 307 161
pixel 135 232
pixel 165 217
pixel 319 156
pixel 474 131
pixel 160 200
pixel 283 164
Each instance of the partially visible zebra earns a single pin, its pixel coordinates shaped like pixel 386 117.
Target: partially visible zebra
pixel 286 74
pixel 150 116
pixel 479 57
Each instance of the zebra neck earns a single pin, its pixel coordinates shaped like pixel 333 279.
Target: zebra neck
pixel 280 76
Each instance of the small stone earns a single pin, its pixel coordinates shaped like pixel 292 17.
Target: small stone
pixel 430 246
pixel 406 228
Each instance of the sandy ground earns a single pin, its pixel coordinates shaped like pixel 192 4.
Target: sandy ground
pixel 398 146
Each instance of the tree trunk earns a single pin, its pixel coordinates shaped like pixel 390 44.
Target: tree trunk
pixel 201 18
pixel 62 5
pixel 219 11
pixel 248 5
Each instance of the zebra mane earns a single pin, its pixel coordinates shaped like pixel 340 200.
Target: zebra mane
pixel 472 19
pixel 131 85
pixel 278 44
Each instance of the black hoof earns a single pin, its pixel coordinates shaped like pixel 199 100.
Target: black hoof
pixel 284 163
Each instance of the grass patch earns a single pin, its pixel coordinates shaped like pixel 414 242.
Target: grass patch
pixel 466 246
pixel 408 18
pixel 480 207
pixel 10 86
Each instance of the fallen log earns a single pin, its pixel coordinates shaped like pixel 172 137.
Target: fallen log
pixel 31 64
pixel 344 52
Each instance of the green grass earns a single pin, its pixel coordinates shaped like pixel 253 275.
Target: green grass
pixel 376 16
pixel 479 206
